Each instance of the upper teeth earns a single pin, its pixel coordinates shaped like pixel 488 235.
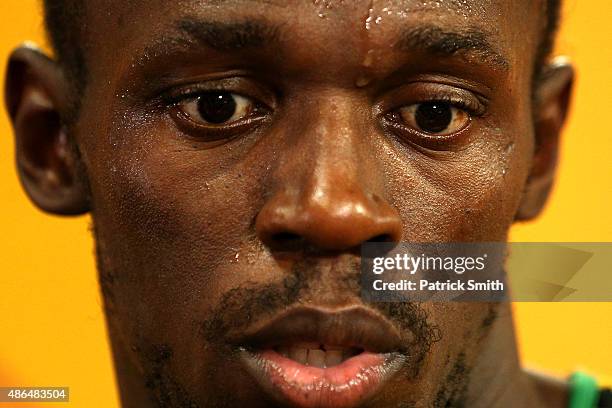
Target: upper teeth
pixel 315 355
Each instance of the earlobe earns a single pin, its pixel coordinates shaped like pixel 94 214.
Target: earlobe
pixel 37 100
pixel 553 94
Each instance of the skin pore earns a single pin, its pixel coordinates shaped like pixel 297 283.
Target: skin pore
pixel 235 154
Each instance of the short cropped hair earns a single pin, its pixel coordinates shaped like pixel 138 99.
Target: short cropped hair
pixel 65 27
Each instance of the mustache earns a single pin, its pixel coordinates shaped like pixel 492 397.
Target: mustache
pixel 253 301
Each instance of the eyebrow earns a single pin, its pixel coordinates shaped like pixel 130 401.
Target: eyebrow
pixel 435 40
pixel 232 36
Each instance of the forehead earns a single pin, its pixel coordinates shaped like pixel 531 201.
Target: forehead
pixel 507 24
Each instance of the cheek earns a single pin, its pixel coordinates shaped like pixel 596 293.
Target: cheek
pixel 165 195
pixel 469 322
pixel 169 223
pixel 468 195
pixel 464 330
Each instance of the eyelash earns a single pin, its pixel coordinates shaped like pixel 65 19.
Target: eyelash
pixel 473 109
pixel 175 97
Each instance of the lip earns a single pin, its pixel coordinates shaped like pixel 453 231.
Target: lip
pixel 344 385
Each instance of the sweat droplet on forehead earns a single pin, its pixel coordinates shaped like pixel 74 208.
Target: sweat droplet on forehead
pixel 372 18
pixel 323 7
pixel 362 81
pixel 369 58
pixel 381 20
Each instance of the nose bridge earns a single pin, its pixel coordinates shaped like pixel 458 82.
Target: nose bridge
pixel 329 191
pixel 337 161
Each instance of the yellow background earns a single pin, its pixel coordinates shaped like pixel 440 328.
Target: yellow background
pixel 51 327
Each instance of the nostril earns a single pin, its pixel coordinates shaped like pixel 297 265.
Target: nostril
pixel 286 241
pixel 285 237
pixel 381 238
pixel 384 244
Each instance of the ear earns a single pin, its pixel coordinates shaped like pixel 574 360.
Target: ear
pixel 37 100
pixel 550 111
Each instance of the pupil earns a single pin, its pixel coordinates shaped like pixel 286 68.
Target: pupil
pixel 216 107
pixel 433 117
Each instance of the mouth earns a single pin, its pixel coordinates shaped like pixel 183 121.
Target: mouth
pixel 310 357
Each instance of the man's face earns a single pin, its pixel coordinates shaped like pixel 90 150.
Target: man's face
pixel 239 152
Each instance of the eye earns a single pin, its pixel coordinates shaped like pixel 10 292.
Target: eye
pixel 434 118
pixel 218 108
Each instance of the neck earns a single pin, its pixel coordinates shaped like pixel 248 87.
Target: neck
pixel 497 380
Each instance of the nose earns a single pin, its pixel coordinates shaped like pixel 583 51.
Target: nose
pixel 328 195
pixel 330 220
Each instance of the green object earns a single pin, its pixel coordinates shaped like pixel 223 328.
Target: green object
pixel 583 391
